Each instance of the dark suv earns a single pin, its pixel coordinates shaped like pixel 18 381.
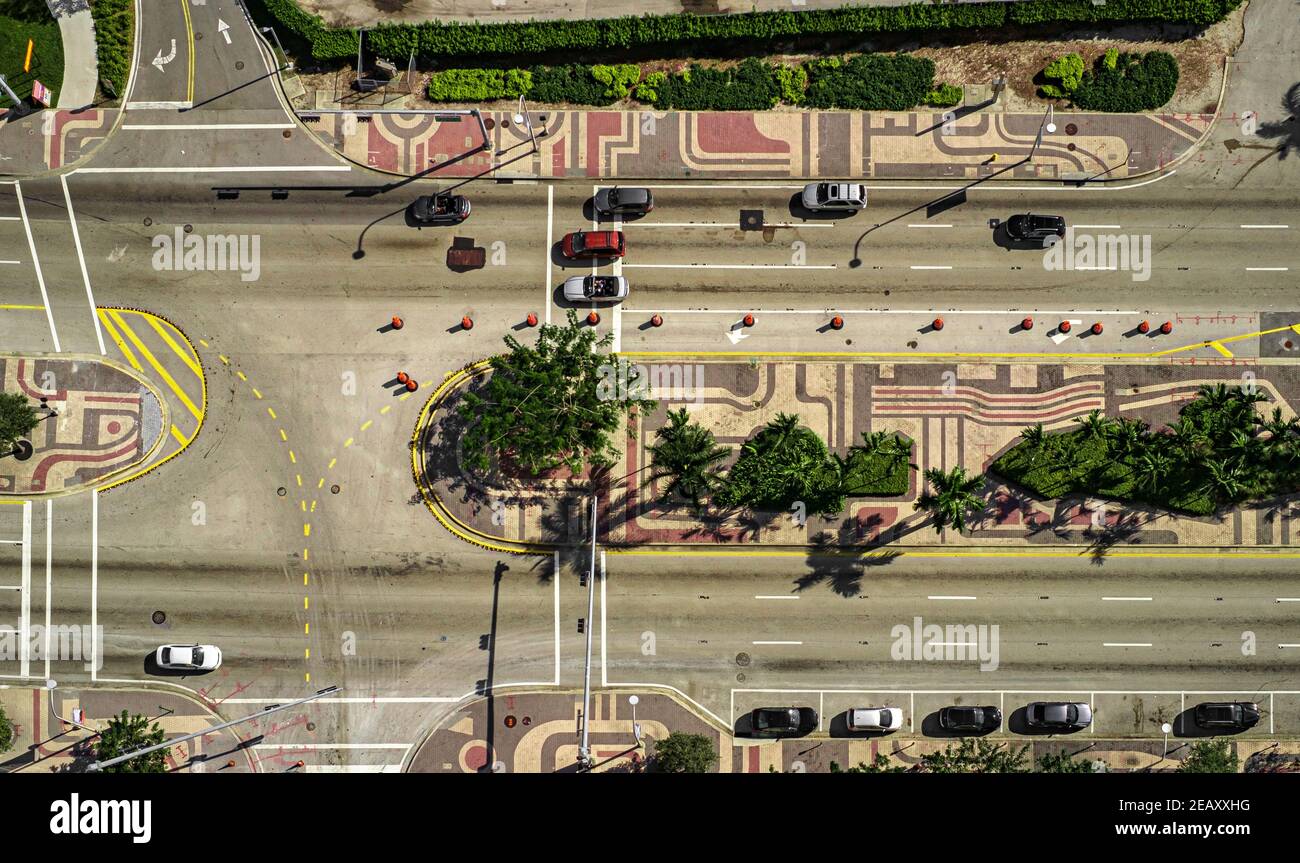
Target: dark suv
pixel 970 720
pixel 623 201
pixel 1033 228
pixel 1226 715
pixel 782 721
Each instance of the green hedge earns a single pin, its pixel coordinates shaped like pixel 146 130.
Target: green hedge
pixel 441 40
pixel 478 85
pixel 750 86
pixel 1134 83
pixel 574 83
pixel 869 82
pixel 114 40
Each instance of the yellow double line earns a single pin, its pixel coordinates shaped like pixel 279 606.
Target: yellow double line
pixel 189 36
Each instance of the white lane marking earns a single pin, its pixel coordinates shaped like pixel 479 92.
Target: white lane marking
pixel 1126 599
pixel 741 187
pixel 950 597
pixel 616 315
pixel 81 259
pixel 555 576
pixel 1288 599
pixel 199 127
pixel 919 225
pixel 731 266
pixel 1288 645
pixel 1267 269
pixel 147 106
pixel 933 267
pixel 887 311
pixel 1098 227
pixel 25 598
pixel 94 584
pixel 10 262
pixel 290 747
pixel 10 219
pixel 1066 185
pixel 189 169
pixel 732 225
pixel 604 679
pixel 760 596
pixel 1267 227
pixel 36 262
pixel 550 242
pixel 49 571
pixel 776 642
pixel 1126 644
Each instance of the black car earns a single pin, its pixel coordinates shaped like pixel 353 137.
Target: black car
pixel 1058 715
pixel 621 201
pixel 1031 227
pixel 975 720
pixel 440 209
pixel 1226 715
pixel 783 721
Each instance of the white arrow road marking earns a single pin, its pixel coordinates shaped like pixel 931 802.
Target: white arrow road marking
pixel 224 29
pixel 161 61
pixel 737 335
pixel 1059 336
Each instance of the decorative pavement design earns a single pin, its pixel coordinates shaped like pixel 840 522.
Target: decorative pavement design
pixel 50 140
pixel 957 414
pixel 879 145
pixel 106 421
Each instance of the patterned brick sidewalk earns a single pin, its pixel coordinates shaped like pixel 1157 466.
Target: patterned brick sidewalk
pixel 50 140
pixel 106 421
pixel 965 144
pixel 963 414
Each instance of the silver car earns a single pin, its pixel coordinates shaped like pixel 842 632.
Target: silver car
pixel 834 196
pixel 600 289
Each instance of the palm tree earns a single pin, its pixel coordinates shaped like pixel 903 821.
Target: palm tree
pixel 1153 467
pixel 1223 478
pixel 687 456
pixel 1033 435
pixel 882 443
pixel 1095 424
pixel 954 497
pixel 1277 427
pixel 1243 447
pixel 1216 397
pixel 1130 436
pixel 1187 437
pixel 774 435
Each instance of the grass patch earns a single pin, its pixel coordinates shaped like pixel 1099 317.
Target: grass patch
pixel 114 32
pixel 21 20
pixel 875 475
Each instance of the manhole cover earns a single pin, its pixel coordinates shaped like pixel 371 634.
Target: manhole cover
pixel 311 726
pixel 1288 345
pixel 1071 147
pixel 288 133
pixel 239 65
pixel 198 37
pixel 751 220
pixel 1071 129
pixel 510 721
pixel 490 123
pixel 742 659
pixel 281 491
pixel 334 489
pixel 189 229
pixel 147 221
pixel 740 678
pixel 158 617
pixel 527 720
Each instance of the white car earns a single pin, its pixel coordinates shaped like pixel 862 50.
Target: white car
pixel 188 657
pixel 875 719
pixel 834 196
pixel 581 289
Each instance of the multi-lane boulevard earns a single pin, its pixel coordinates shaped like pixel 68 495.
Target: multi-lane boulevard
pixel 290 532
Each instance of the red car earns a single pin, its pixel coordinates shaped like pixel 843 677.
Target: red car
pixel 594 244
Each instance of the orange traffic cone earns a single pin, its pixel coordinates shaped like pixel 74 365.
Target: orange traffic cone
pixel 467 323
pixel 593 318
pixel 1027 324
pixel 1166 328
pixel 837 323
pixel 1063 326
pixel 412 385
pixel 403 377
pixel 531 319
pixel 748 320
pixel 398 323
pixel 1096 329
pixel 937 324
pixel 656 320
pixel 1144 327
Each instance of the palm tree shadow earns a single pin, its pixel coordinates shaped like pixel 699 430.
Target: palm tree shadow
pixel 1287 131
pixel 1125 529
pixel 839 565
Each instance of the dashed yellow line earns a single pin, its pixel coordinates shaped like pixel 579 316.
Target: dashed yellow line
pixel 258 393
pixel 243 377
pixel 284 437
pixel 298 476
pixel 271 411
pixel 306 530
pixel 20 307
pixel 347 443
pixel 333 462
pixel 367 424
pixel 385 409
pixel 293 458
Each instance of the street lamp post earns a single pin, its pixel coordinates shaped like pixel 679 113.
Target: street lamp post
pixel 636 726
pixel 584 748
pixel 288 64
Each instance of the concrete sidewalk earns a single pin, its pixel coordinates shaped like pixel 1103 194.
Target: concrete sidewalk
pixel 80 63
pixel 967 145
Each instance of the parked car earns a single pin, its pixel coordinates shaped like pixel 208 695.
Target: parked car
pixel 1226 715
pixel 875 719
pixel 579 289
pixel 779 721
pixel 976 720
pixel 834 196
pixel 440 209
pixel 188 657
pixel 1033 228
pixel 593 244
pixel 622 201
pixel 1058 715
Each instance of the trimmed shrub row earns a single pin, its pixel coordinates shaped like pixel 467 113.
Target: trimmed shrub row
pixel 872 82
pixel 440 40
pixel 114 40
pixel 1117 82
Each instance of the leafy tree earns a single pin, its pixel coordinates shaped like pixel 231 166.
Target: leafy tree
pixel 954 497
pixel 686 454
pixel 6 732
pixel 783 463
pixel 1210 756
pixel 553 403
pixel 1064 75
pixel 1063 762
pixel 976 755
pixel 126 733
pixel 17 418
pixel 880 764
pixel 684 753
